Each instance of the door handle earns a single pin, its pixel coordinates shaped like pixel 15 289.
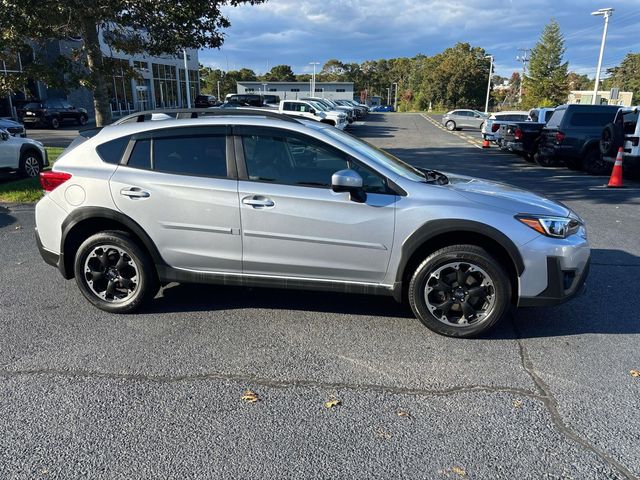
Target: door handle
pixel 258 201
pixel 134 192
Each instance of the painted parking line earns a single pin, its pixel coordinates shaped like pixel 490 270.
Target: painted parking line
pixel 470 140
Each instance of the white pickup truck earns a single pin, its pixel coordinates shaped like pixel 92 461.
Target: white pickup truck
pixel 313 111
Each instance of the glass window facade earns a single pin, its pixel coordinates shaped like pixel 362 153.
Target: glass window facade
pixel 194 84
pixel 120 92
pixel 165 86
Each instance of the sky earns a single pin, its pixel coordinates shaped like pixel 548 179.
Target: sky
pixel 297 32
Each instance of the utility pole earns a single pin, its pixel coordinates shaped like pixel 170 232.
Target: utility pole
pixel 395 98
pixel 606 13
pixel 524 58
pixel 218 90
pixel 313 78
pixel 389 96
pixel 486 105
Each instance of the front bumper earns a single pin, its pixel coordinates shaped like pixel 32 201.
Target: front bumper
pixel 562 285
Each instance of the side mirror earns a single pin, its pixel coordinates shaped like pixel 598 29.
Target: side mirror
pixel 312 111
pixel 4 135
pixel 349 181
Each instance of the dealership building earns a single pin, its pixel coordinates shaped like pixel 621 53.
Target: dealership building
pixel 162 83
pixel 295 90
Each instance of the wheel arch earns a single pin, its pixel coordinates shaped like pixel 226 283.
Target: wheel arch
pixel 27 147
pixel 86 221
pixel 437 234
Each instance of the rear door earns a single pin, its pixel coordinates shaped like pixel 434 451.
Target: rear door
pixel 294 225
pixel 180 185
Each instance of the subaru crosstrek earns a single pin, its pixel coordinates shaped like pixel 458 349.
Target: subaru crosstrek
pixel 260 199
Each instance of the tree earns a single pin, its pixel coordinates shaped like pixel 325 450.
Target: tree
pixel 546 83
pixel 156 27
pixel 332 71
pixel 577 81
pixel 280 73
pixel 209 79
pixel 626 76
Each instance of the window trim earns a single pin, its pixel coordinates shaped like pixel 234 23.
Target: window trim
pixel 232 172
pixel 237 133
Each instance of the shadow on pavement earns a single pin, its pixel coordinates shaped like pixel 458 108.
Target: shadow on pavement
pixel 376 126
pixel 558 182
pixel 5 218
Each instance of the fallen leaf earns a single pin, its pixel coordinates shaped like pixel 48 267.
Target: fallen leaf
pixel 635 373
pixel 517 403
pixel 334 402
pixel 250 396
pixel 459 471
pixel 402 413
pixel 382 433
pixel 18 227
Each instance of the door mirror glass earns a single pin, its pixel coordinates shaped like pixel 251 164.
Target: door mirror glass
pixel 4 135
pixel 349 181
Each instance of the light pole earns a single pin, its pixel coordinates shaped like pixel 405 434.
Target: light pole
pixel 264 88
pixel 395 97
pixel 186 77
pixel 606 13
pixel 389 96
pixel 486 105
pixel 313 78
pixel 218 82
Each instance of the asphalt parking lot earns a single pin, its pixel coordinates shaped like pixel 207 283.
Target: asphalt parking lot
pixel 548 394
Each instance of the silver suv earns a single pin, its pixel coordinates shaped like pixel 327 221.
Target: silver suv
pixel 260 199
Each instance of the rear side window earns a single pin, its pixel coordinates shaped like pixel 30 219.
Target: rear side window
pixel 112 151
pixel 587 119
pixel 192 155
pixel 556 118
pixel 548 114
pixel 141 154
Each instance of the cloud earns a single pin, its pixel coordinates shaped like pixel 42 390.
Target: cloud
pixel 296 32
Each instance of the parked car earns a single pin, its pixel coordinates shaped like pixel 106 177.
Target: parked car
pixel 25 155
pixel 271 100
pixel 491 127
pixel 245 99
pixel 522 138
pixel 359 111
pixel 572 135
pixel 298 204
pixel 14 128
pixel 205 101
pixel 313 111
pixel 541 115
pixel 52 113
pixel 331 105
pixel 623 132
pixel 459 119
pixel 382 108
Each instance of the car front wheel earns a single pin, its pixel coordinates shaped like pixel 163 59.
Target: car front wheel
pixel 460 291
pixel 82 120
pixel 450 125
pixel 30 164
pixel 114 273
pixel 55 123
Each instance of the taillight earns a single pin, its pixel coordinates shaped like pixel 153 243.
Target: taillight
pixel 495 127
pixel 560 137
pixel 50 180
pixel 517 134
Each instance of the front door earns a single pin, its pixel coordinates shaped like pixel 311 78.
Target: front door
pixel 178 186
pixel 294 225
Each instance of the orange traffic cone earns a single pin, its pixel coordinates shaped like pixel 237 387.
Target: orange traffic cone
pixel 616 175
pixel 485 143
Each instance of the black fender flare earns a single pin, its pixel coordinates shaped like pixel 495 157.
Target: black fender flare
pixel 91 213
pixel 25 147
pixel 434 228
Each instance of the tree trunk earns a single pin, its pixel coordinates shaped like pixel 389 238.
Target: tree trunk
pixel 99 80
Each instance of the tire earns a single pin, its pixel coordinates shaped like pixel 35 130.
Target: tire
pixel 82 120
pixel 55 123
pixel 111 258
pixel 438 272
pixel 573 163
pixel 611 140
pixel 30 164
pixel 544 161
pixel 594 164
pixel 450 125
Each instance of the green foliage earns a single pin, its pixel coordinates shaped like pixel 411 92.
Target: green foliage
pixel 27 190
pixel 209 79
pixel 546 82
pixel 576 81
pixel 626 76
pixel 280 73
pixel 157 27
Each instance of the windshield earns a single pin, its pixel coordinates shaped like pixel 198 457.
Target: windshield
pixel 32 106
pixel 376 155
pixel 319 106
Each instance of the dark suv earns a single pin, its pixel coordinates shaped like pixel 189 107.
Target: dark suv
pixel 205 101
pixel 52 113
pixel 572 135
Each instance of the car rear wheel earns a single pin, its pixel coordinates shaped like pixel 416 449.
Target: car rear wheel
pixel 611 140
pixel 595 164
pixel 460 291
pixel 55 123
pixel 30 164
pixel 543 161
pixel 114 273
pixel 82 120
pixel 450 125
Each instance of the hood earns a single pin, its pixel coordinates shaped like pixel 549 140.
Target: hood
pixel 506 197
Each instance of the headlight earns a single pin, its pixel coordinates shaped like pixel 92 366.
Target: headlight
pixel 556 227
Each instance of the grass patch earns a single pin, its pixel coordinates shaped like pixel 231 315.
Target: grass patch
pixel 27 190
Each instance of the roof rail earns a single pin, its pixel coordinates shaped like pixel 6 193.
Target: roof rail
pixel 182 113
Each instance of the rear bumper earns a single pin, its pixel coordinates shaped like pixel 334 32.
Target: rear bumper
pixel 49 257
pixel 515 146
pixel 562 285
